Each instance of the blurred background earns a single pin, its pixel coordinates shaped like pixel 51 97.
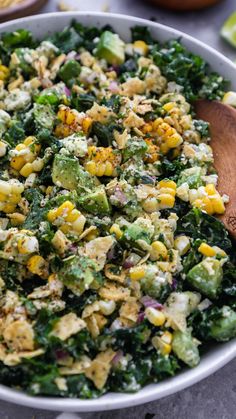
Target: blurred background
pixel 203 22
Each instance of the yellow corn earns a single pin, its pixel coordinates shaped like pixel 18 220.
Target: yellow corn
pixel 16 218
pixel 166 183
pixel 166 201
pixel 10 195
pixel 27 244
pixel 67 218
pixel 4 72
pixel 67 116
pixel 26 170
pixel 210 189
pixel 65 209
pixel 14 198
pixel 158 251
pixel 141 47
pixel 174 140
pixel 8 208
pixel 72 216
pixel 206 250
pixel 22 163
pixel 5 187
pixel 163 343
pixel 155 316
pixel 38 265
pixel 136 273
pixel 91 167
pixel 102 161
pixel 168 106
pixel 115 229
pixel 17 162
pixel 152 153
pixel 52 215
pixel 86 124
pixel 3 149
pixel 204 204
pixel 218 205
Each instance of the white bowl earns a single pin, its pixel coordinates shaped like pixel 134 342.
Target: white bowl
pixel 218 355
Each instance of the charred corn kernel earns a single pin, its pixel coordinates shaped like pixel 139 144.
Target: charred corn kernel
pixel 204 204
pixel 158 250
pixel 17 162
pixel 152 153
pixel 16 218
pixel 20 147
pixel 218 205
pixel 182 244
pixel 168 106
pixel 29 140
pixel 165 183
pixel 52 215
pixel 164 148
pixel 136 273
pixel 4 72
pixel 166 201
pixel 3 149
pixel 210 189
pixel 174 141
pixel 27 244
pixel 5 187
pixel 86 124
pixel 67 116
pixel 26 170
pixel 206 250
pixel 65 228
pixel 37 265
pixel 141 47
pixel 8 208
pixel 155 316
pixel 100 170
pixel 14 198
pixel 91 167
pixel 65 209
pixel 115 229
pixel 62 130
pixel 150 205
pixel 3 197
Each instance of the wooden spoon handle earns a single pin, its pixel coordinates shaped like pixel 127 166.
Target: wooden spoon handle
pixel 222 119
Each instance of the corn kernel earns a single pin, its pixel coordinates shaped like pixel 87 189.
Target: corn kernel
pixel 9 208
pixel 158 251
pixel 17 162
pixel 38 265
pixel 164 148
pixel 141 47
pixel 14 198
pixel 16 218
pixel 204 204
pixel 206 250
pixel 64 209
pixel 155 316
pixel 136 273
pixel 3 149
pixel 26 170
pixel 182 244
pixel 210 189
pixel 165 183
pixel 17 188
pixel 3 197
pixel 166 201
pixel 29 140
pixel 100 170
pixel 108 169
pixel 86 124
pixel 115 229
pixel 218 205
pixel 5 187
pixel 168 191
pixel 78 225
pixel 52 215
pixel 4 72
pixel 163 343
pixel 150 205
pixel 65 228
pixel 91 167
pixel 174 141
pixel 72 216
pixel 37 165
pixel 168 106
pixel 27 245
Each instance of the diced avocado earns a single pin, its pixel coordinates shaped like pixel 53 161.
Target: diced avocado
pixel 44 116
pixel 134 147
pixel 21 61
pixel 133 233
pixel 68 173
pixel 69 72
pixel 111 48
pixel 206 277
pixel 96 201
pixel 185 348
pixel 191 176
pixel 223 328
pixel 78 274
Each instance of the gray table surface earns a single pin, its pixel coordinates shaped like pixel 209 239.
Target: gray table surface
pixel 214 397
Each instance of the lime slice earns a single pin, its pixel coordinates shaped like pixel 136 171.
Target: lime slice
pixel 228 30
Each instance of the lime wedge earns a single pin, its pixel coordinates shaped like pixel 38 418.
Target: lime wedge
pixel 228 30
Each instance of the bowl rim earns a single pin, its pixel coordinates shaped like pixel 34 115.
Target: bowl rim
pixel 222 353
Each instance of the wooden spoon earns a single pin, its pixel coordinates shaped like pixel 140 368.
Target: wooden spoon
pixel 222 119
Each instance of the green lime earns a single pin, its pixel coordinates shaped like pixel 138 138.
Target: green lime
pixel 228 30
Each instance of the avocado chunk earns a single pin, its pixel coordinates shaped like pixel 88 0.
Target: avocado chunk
pixel 69 72
pixel 223 327
pixel 68 173
pixel 96 202
pixel 185 348
pixel 111 48
pixel 133 233
pixel 134 147
pixel 192 177
pixel 206 277
pixel 78 273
